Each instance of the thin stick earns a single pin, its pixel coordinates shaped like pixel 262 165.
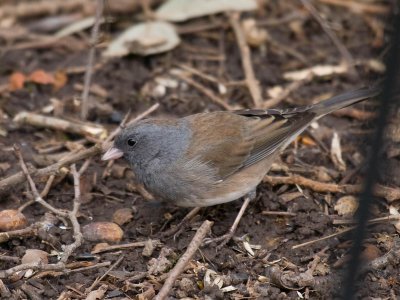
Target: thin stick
pixel 286 92
pixel 72 215
pixel 125 246
pixel 32 185
pixel 76 228
pixel 389 193
pixel 96 282
pixel 278 213
pixel 81 128
pixel 372 221
pixel 199 73
pixel 347 57
pixel 359 7
pixel 8 183
pixel 203 90
pixel 251 79
pixel 89 69
pixel 4 291
pixel 184 260
pixel 323 238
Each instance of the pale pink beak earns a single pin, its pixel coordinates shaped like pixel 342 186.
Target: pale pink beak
pixel 112 153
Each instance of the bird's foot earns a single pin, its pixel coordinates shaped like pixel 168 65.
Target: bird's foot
pixel 221 240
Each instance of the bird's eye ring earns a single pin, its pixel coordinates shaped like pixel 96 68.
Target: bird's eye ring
pixel 131 142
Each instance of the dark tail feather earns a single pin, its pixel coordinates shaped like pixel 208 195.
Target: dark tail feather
pixel 343 100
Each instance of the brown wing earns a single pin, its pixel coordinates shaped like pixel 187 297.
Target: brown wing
pixel 230 141
pixel 273 131
pixel 223 141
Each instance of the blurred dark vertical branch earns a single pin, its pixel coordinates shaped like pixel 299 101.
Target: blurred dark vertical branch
pixel 89 68
pixel 387 102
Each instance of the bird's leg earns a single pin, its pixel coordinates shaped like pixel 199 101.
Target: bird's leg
pixel 177 230
pixel 222 240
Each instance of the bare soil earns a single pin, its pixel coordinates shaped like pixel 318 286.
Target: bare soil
pixel 129 84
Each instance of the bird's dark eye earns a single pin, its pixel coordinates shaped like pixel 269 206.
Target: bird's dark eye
pixel 131 142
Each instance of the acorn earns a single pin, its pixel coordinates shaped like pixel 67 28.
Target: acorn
pixel 102 232
pixel 12 219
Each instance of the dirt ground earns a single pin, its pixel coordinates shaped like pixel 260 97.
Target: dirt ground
pixel 260 262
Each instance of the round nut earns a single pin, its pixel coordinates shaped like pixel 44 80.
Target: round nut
pixel 11 219
pixel 102 232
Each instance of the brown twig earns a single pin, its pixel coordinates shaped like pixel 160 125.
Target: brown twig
pixel 347 57
pixel 41 8
pixel 19 233
pixel 82 128
pixel 4 291
pixel 207 92
pixel 184 260
pixel 96 282
pixel 251 80
pixel 125 246
pixel 372 221
pixel 340 232
pixel 43 194
pixel 70 271
pixel 360 7
pixel 72 215
pixel 270 103
pixel 390 194
pixel 278 213
pixel 89 69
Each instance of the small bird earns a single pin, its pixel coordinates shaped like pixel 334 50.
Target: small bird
pixel 216 157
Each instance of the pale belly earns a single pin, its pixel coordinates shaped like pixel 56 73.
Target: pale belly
pixel 233 188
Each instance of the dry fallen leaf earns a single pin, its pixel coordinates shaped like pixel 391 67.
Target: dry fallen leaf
pixel 336 153
pixel 41 77
pixel 122 216
pixel 17 81
pixel 60 80
pixel 144 39
pixel 395 212
pixel 346 206
pixel 182 10
pixel 35 256
pixel 255 36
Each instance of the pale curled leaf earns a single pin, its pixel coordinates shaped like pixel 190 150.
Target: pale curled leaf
pixel 316 71
pixel 182 10
pixel 207 277
pixel 144 39
pixel 336 153
pixel 76 27
pixel 395 212
pixel 246 246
